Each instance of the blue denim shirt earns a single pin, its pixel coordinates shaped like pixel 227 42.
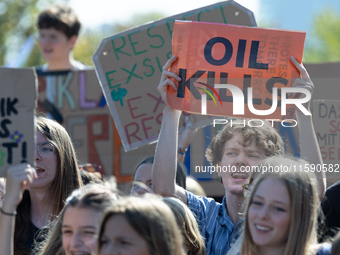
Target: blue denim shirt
pixel 324 249
pixel 216 227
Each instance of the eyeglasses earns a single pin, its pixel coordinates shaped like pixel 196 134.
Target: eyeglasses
pixel 53 38
pixel 45 149
pixel 247 188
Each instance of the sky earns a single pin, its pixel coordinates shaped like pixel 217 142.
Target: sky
pixel 109 11
pixel 287 14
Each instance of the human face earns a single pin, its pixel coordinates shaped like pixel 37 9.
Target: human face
pixel 269 214
pixel 46 167
pixel 237 156
pixel 120 238
pixel 79 230
pixel 143 175
pixel 54 45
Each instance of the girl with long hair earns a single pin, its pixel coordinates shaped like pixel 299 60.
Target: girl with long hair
pixel 35 196
pixel 75 230
pixel 139 226
pixel 281 214
pixel 193 243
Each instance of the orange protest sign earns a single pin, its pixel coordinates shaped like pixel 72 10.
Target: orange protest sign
pixel 223 66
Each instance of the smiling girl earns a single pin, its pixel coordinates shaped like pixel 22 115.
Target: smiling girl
pixel 282 213
pixel 75 231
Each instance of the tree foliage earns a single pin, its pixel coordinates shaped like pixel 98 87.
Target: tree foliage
pixel 17 23
pixel 89 40
pixel 325 45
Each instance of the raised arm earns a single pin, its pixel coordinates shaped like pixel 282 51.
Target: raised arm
pixel 185 138
pixel 309 146
pixel 18 176
pixel 165 162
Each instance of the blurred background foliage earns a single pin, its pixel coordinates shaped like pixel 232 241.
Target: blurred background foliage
pixel 89 40
pixel 325 46
pixel 18 22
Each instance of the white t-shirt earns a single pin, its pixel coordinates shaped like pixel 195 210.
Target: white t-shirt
pixel 78 66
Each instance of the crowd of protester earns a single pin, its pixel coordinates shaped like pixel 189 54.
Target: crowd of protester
pixel 60 207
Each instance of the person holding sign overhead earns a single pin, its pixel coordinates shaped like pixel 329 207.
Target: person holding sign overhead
pixel 58 33
pixel 235 146
pixel 35 196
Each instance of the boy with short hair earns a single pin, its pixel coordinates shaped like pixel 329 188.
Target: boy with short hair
pixel 58 33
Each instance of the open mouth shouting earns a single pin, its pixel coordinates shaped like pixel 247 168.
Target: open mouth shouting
pixel 239 175
pixel 39 170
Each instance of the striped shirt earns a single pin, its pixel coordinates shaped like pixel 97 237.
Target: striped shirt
pixel 216 227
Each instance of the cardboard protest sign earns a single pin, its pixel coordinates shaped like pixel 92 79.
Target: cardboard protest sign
pixel 17 117
pixel 249 62
pixel 76 100
pixel 129 65
pixel 325 106
pixel 327 127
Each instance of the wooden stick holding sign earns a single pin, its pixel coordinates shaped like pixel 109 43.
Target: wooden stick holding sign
pixel 234 71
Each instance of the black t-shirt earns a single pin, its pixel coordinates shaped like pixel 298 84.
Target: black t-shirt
pixel 330 206
pixel 36 236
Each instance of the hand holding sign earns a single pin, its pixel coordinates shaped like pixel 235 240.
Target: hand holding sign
pixel 18 179
pixel 305 82
pixel 166 78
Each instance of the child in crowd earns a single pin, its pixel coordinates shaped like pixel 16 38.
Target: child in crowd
pixel 281 215
pixel 139 226
pixel 234 146
pixel 58 33
pixel 75 230
pixel 142 179
pixel 193 243
pixel 35 196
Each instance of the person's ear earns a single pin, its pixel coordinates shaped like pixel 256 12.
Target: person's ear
pixel 72 41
